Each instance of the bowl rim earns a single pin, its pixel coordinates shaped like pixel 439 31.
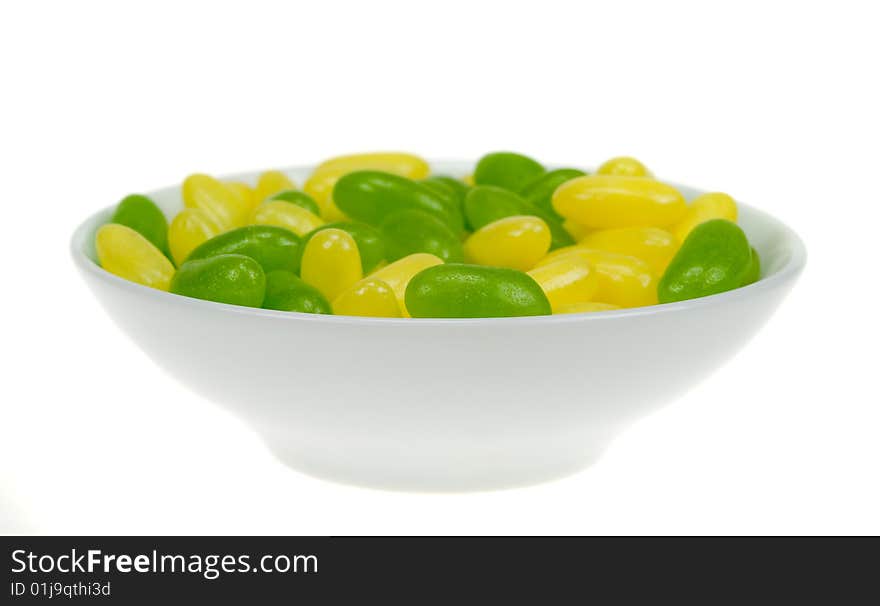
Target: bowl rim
pixel 792 268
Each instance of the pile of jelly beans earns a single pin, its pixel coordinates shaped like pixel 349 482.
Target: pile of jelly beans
pixel 378 235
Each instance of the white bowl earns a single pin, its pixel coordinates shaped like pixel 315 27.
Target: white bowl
pixel 436 404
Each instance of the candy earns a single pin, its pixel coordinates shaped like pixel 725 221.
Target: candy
pixel 369 242
pixel 539 191
pixel 606 202
pixel 369 297
pixel 244 192
pixel 753 273
pixel 506 169
pixel 414 231
pixel 456 290
pixel 709 206
pixel 300 198
pixel 588 307
pixel 398 274
pixel 272 247
pixel 566 281
pixel 715 258
pixel 370 196
pixel 284 214
pixel 452 187
pixel 126 253
pixel 232 279
pixel 286 292
pixel 651 244
pixel 623 166
pixel 142 215
pixel 190 228
pixel 331 262
pixel 270 183
pixel 225 208
pixel 516 242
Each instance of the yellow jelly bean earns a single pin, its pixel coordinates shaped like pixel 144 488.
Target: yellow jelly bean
pixel 124 252
pixel 244 192
pixel 190 228
pixel 224 206
pixel 331 262
pixel 652 244
pixel 623 280
pixel 576 231
pixel 607 202
pixel 284 214
pixel 398 274
pixel 589 306
pixel 709 206
pixel 623 166
pixel 270 183
pixel 369 297
pixel 468 180
pixel 516 242
pixel 566 281
pixel 320 184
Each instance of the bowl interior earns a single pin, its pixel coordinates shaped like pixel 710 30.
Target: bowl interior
pixel 780 248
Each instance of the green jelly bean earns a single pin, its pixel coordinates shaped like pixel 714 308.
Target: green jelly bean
pixel 714 258
pixel 371 195
pixel 369 241
pixel 300 198
pixel 232 279
pixel 454 188
pixel 141 214
pixel 457 290
pixel 506 169
pixel 539 191
pixel 753 274
pixel 286 292
pixel 414 231
pixel 486 204
pixel 272 247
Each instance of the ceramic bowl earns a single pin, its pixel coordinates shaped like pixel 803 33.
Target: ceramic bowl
pixel 442 404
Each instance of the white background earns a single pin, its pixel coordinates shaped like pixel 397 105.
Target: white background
pixel 777 105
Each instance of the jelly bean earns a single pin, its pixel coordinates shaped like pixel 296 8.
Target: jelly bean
pixel 605 202
pixel 190 228
pixel 397 275
pixel 331 262
pixel 453 187
pixel 320 184
pixel 753 274
pixel 126 253
pixel 506 169
pixel 244 192
pixel 232 279
pixel 370 196
pixel 566 281
pixel 468 180
pixel 539 191
pixel 272 247
pixel 577 231
pixel 286 292
pixel 623 280
pixel 270 183
pixel 516 242
pixel 651 244
pixel 623 166
pixel 284 214
pixel 714 258
pixel 590 306
pixel 299 198
pixel 414 231
pixel 142 215
pixel 369 242
pixel 369 297
pixel 486 204
pixel 223 205
pixel 713 205
pixel 458 290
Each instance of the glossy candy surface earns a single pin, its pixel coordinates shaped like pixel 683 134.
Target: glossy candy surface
pixel 272 247
pixel 300 198
pixel 506 169
pixel 715 258
pixel 623 166
pixel 472 291
pixel 369 297
pixel 606 202
pixel 190 228
pixel 397 275
pixel 414 231
pixel 567 281
pixel 225 207
pixel 284 214
pixel 126 253
pixel 270 183
pixel 142 215
pixel 287 292
pixel 516 242
pixel 539 191
pixel 713 205
pixel 651 244
pixel 369 241
pixel 331 262
pixel 232 279
pixel 591 306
